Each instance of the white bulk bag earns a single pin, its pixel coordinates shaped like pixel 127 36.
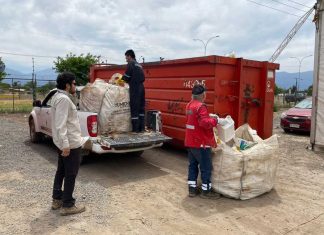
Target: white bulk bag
pixel 114 116
pixel 247 173
pixel 91 96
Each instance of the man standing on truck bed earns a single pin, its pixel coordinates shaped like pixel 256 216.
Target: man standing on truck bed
pixel 67 138
pixel 134 76
pixel 199 140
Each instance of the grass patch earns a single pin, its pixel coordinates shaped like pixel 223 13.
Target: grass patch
pixel 19 106
pixel 8 96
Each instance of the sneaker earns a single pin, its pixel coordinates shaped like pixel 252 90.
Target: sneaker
pixel 193 191
pixel 56 204
pixel 210 194
pixel 72 210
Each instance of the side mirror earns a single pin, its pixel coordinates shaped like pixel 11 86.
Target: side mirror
pixel 37 103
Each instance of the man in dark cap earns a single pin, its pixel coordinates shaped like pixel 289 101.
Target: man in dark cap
pixel 134 76
pixel 199 140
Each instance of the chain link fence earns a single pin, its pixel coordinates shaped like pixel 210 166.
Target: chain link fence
pixel 17 94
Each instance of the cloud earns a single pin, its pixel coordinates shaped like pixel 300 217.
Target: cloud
pixel 152 28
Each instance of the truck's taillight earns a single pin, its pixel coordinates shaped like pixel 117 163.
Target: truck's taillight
pixel 92 125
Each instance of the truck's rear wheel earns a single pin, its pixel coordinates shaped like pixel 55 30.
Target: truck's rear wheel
pixel 35 137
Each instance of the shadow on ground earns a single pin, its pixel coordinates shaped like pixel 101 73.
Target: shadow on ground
pixel 108 169
pixel 199 207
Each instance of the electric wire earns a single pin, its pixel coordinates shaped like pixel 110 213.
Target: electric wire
pixel 27 55
pixel 274 8
pixel 288 5
pixel 298 3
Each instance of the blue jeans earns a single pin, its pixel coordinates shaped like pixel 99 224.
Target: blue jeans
pixel 200 157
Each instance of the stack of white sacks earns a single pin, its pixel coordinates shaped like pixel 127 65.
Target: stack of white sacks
pixel 245 165
pixel 111 102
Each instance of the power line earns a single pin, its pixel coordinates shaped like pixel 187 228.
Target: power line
pixel 298 3
pixel 288 5
pixel 274 8
pixel 28 55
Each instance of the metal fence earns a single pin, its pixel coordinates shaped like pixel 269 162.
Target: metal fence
pixel 17 94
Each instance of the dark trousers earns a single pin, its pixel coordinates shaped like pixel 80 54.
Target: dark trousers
pixel 200 157
pixel 137 106
pixel 67 170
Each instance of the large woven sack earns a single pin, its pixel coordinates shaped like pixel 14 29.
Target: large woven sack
pixel 91 96
pixel 114 116
pixel 248 173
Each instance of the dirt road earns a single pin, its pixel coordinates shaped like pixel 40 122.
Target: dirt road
pixel 148 195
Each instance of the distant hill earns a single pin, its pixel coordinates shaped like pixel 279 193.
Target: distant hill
pixel 286 80
pixel 45 74
pixel 12 72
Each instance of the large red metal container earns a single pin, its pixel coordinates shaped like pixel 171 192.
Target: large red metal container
pixel 238 87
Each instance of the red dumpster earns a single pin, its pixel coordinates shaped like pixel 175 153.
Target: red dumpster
pixel 238 87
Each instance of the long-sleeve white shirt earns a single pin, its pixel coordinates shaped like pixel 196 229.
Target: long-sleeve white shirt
pixel 66 129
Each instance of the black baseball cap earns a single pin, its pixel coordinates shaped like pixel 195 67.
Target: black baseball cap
pixel 198 89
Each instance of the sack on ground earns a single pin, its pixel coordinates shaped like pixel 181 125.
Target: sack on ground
pixel 245 174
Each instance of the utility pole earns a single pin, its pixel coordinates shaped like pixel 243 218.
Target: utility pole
pixel 34 81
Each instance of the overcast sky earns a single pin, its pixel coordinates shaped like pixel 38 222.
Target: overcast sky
pixel 153 28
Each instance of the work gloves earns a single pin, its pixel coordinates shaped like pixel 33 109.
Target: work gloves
pixel 220 121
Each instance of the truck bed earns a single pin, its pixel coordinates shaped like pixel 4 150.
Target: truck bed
pixel 130 140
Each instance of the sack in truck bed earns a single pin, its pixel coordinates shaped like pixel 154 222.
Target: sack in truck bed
pixel 91 96
pixel 111 102
pixel 114 116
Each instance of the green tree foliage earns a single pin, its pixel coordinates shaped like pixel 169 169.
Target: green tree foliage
pixel 293 89
pixel 4 86
pixel 278 90
pixel 28 85
pixel 310 90
pixel 79 65
pixel 2 74
pixel 46 88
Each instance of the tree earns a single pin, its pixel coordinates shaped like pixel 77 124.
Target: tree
pixel 2 68
pixel 278 90
pixel 28 85
pixel 79 65
pixel 46 88
pixel 4 86
pixel 310 90
pixel 293 89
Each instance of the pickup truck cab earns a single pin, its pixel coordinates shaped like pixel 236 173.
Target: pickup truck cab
pixel 40 124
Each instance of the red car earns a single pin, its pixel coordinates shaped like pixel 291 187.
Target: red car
pixel 298 118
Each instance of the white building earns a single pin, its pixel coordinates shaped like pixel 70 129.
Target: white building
pixel 317 129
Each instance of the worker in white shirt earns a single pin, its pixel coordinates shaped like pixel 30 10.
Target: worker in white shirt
pixel 67 138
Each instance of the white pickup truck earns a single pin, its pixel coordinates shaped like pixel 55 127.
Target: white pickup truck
pixel 40 125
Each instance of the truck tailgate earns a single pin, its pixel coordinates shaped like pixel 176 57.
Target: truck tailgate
pixel 129 140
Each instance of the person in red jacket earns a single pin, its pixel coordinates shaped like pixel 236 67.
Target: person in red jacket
pixel 199 140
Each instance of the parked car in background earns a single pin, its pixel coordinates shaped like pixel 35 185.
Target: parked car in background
pixel 298 117
pixel 295 97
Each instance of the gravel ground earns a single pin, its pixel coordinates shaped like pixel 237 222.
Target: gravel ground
pixel 148 195
pixel 26 178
